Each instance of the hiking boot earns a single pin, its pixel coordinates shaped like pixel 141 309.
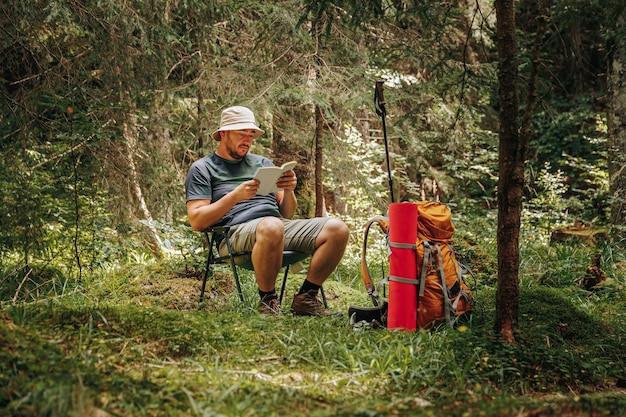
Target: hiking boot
pixel 308 304
pixel 270 307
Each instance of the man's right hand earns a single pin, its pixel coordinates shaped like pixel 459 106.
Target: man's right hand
pixel 204 213
pixel 246 190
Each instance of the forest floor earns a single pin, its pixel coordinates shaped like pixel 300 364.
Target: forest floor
pixel 134 341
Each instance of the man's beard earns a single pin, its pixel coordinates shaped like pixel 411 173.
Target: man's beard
pixel 235 155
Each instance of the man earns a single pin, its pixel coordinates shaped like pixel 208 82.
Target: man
pixel 221 191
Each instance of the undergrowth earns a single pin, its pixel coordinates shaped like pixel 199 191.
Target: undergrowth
pixel 134 341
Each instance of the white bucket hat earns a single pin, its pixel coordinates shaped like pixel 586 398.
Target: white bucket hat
pixel 237 118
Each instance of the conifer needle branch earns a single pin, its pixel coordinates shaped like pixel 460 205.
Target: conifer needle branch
pixel 60 155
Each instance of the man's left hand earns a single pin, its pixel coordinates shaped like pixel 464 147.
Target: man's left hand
pixel 288 181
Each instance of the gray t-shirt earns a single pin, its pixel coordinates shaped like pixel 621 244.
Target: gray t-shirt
pixel 212 177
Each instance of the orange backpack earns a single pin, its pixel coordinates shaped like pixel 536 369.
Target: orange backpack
pixel 443 296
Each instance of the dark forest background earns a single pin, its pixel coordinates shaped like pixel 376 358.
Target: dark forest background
pixel 105 104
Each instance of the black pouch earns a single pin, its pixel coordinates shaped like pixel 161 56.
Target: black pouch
pixel 377 315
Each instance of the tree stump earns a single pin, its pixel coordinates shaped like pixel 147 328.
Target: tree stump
pixel 578 233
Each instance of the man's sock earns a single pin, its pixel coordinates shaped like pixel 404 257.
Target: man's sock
pixel 267 295
pixel 307 286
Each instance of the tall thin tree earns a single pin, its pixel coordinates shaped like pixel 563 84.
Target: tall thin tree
pixel 511 174
pixel 616 121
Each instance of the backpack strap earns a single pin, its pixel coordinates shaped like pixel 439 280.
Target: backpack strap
pixel 463 264
pixel 428 253
pixel 411 281
pixel 403 280
pixel 447 304
pixel 459 269
pixel 372 290
pixel 402 245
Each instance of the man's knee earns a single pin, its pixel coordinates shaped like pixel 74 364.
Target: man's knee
pixel 337 230
pixel 271 228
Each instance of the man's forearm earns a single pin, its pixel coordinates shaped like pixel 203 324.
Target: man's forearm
pixel 288 204
pixel 206 215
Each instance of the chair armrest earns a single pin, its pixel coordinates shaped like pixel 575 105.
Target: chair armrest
pixel 220 230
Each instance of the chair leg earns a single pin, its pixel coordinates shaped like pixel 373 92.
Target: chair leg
pixel 282 287
pixel 236 275
pixel 324 297
pixel 207 272
pixel 234 268
pixel 203 285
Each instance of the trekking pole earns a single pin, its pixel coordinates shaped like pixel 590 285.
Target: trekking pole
pixel 379 101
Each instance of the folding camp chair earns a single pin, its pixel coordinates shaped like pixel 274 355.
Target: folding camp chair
pixel 215 235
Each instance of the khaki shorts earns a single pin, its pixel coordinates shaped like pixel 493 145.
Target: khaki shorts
pixel 300 235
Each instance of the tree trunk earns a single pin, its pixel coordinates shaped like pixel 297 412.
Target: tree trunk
pixel 511 175
pixel 319 159
pixel 616 120
pixel 129 130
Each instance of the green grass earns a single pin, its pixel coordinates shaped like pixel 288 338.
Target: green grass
pixel 135 342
